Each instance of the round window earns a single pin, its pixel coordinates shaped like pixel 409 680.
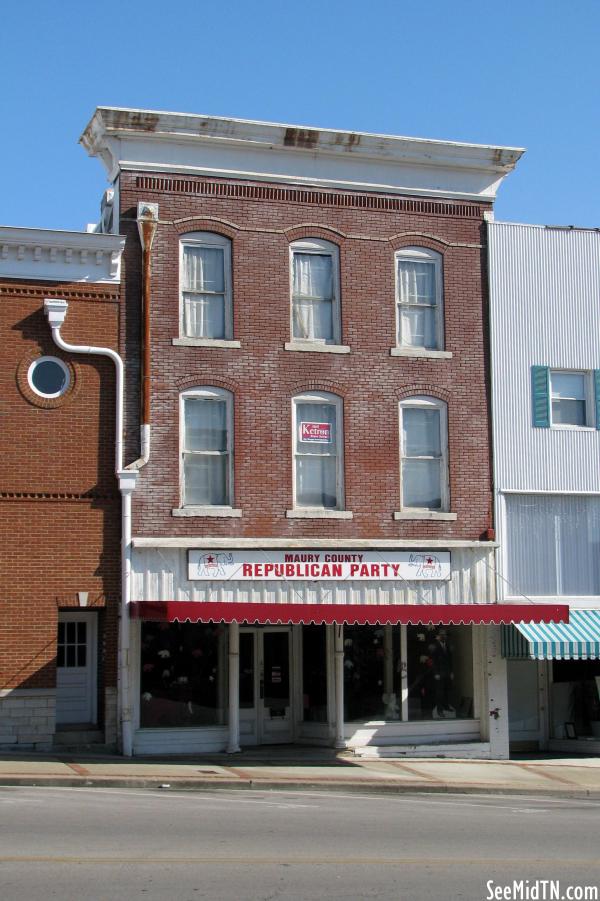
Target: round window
pixel 48 377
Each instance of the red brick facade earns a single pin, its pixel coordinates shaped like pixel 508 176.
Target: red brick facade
pixel 60 507
pixel 261 221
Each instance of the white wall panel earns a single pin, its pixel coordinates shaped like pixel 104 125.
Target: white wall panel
pixel 160 574
pixel 544 310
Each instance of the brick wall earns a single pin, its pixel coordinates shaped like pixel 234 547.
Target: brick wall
pixel 264 377
pixel 59 503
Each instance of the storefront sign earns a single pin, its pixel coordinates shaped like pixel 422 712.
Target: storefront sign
pixel 316 432
pixel 322 565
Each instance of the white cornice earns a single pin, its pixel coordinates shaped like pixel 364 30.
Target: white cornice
pixel 49 255
pixel 148 141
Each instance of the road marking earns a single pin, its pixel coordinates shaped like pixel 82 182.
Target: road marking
pixel 303 860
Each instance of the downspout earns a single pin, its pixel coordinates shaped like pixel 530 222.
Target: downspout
pixel 55 311
pixel 147 222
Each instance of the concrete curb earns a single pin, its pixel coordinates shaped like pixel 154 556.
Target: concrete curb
pixel 363 787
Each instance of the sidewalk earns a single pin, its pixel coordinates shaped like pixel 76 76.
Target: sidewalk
pixel 308 768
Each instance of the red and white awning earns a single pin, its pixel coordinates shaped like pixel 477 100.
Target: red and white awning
pixel 351 614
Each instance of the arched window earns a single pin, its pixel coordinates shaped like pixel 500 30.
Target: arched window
pixel 205 280
pixel 318 451
pixel 419 299
pixel 207 447
pixel 424 454
pixel 314 275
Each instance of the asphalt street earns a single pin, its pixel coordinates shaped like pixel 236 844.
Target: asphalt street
pixel 77 843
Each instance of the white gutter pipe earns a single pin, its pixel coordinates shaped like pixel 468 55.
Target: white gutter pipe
pixel 55 311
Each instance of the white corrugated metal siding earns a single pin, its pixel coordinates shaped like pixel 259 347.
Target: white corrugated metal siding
pixel 161 575
pixel 544 310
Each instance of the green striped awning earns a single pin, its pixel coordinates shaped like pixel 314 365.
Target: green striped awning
pixel 579 639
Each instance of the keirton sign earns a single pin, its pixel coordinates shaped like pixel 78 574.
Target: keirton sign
pixel 321 565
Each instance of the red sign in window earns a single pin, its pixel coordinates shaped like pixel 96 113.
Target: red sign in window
pixel 316 431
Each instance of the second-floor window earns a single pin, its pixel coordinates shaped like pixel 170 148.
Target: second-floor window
pixel 424 458
pixel 569 393
pixel 315 291
pixel 565 398
pixel 318 463
pixel 206 286
pixel 207 447
pixel 419 299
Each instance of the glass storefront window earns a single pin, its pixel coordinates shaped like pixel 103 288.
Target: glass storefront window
pixel 183 675
pixel 437 664
pixel 372 671
pixel 314 674
pixel 440 672
pixel 575 693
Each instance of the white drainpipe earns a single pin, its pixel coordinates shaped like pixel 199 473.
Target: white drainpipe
pixel 55 311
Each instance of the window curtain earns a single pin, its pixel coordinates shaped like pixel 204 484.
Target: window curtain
pixel 206 456
pixel 553 544
pixel 313 296
pixel 416 290
pixel 316 463
pixel 422 458
pixel 204 292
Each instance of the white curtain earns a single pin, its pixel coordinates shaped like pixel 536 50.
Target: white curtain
pixel 421 432
pixel 421 478
pixel 205 424
pixel 316 463
pixel 416 294
pixel 204 315
pixel 204 292
pixel 553 545
pixel 203 269
pixel 206 457
pixel 313 296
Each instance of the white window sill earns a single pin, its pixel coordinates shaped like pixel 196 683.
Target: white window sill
pixel 416 353
pixel 206 511
pixel 204 342
pixel 317 347
pixel 318 513
pixel 426 514
pixel 573 428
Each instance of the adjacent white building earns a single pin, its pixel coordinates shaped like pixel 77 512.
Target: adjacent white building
pixel 545 354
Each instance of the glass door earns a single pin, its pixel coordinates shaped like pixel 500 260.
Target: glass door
pixel 265 691
pixel 275 719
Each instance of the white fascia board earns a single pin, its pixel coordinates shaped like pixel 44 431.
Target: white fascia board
pixel 283 543
pixel 142 140
pixel 53 255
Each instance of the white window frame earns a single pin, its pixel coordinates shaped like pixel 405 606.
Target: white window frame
pixel 588 399
pixel 319 247
pixel 211 240
pixel 321 397
pixel 421 255
pixel 422 401
pixel 61 364
pixel 210 393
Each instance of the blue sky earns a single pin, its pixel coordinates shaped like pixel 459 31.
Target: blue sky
pixel 523 74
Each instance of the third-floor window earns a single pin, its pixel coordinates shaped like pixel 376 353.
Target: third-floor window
pixel 419 299
pixel 206 286
pixel 315 291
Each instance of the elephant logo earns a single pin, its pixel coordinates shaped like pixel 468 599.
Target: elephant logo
pixel 427 566
pixel 212 565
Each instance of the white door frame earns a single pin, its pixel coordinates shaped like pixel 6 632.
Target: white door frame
pixel 91 618
pixel 259 732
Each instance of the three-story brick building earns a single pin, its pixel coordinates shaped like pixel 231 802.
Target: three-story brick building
pixel 311 555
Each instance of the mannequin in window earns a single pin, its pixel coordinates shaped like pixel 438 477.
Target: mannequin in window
pixel 443 675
